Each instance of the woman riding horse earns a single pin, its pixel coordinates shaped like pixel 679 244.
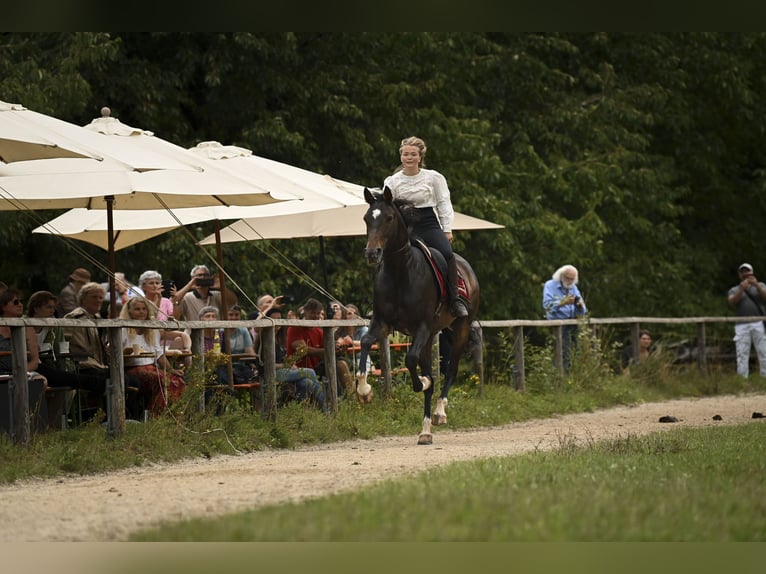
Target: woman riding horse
pixel 427 191
pixel 407 299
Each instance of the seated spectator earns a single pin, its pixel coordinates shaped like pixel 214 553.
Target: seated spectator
pixel 150 282
pixel 42 305
pixel 86 345
pixel 159 383
pixel 308 343
pixel 240 343
pixel 67 299
pixel 301 384
pixel 87 342
pixel 644 350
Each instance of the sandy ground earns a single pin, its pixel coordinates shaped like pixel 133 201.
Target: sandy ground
pixel 109 507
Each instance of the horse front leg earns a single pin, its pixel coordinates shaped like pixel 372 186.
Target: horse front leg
pixel 376 333
pixel 426 379
pixel 421 344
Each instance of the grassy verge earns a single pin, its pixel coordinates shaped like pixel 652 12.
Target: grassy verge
pixel 683 485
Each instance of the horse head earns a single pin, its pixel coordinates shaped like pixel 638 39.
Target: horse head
pixel 384 224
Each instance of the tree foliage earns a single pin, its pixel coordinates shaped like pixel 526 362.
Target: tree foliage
pixel 635 157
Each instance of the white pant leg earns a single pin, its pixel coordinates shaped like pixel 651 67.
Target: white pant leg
pixel 759 340
pixel 743 341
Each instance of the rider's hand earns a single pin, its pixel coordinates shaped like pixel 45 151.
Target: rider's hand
pixel 448 234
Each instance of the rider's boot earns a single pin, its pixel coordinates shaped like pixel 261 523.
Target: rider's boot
pixel 457 308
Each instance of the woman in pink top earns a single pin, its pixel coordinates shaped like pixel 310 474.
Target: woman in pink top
pixel 150 283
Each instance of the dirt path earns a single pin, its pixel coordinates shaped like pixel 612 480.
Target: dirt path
pixel 110 506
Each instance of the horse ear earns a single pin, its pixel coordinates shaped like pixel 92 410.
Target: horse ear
pixel 388 195
pixel 368 197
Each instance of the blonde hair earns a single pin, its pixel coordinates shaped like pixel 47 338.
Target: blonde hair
pixel 151 335
pixel 418 143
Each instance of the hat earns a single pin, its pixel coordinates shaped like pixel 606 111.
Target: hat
pixel 745 266
pixel 81 275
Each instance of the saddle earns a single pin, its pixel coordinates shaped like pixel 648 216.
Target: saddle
pixel 439 267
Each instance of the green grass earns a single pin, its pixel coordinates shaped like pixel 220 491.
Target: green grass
pixel 683 485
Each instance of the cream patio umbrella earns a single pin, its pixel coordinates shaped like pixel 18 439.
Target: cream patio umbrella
pixel 27 135
pixel 129 169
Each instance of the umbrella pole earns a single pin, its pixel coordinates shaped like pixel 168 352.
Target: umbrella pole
pixel 323 262
pixel 110 255
pixel 224 306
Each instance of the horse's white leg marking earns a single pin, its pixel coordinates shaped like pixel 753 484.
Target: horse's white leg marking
pixel 425 436
pixel 440 413
pixel 425 381
pixel 363 388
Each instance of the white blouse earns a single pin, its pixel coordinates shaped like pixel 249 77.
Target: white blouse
pixel 155 348
pixel 428 188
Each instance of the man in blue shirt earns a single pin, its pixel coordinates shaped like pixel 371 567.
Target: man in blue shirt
pixel 563 300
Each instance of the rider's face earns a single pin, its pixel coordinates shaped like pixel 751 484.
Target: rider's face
pixel 410 156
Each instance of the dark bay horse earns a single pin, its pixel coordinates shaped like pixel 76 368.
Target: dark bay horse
pixel 407 298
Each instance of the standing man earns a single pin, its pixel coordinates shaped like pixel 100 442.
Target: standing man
pixel 67 301
pixel 563 300
pixel 746 298
pixel 195 295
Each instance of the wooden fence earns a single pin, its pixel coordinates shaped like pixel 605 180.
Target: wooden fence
pixel 18 385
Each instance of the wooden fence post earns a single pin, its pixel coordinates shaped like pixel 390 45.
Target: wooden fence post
pixel 115 387
pixel 18 386
pixel 519 377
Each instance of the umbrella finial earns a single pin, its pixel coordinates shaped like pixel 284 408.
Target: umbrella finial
pixel 105 112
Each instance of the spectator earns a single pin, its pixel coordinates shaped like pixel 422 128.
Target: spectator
pixel 150 282
pixel 195 295
pixel 159 383
pixel 562 300
pixel 644 350
pixel 86 342
pixel 308 342
pixel 123 290
pixel 746 297
pixel 300 384
pixel 67 299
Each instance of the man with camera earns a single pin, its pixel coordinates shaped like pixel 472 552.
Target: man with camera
pixel 562 300
pixel 195 295
pixel 747 297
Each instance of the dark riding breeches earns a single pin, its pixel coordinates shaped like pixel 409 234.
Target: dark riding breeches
pixel 428 229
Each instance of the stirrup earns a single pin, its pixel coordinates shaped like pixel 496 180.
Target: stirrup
pixel 458 308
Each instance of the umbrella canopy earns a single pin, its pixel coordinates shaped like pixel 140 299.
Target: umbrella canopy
pixel 132 227
pixel 130 165
pixel 26 135
pixel 330 222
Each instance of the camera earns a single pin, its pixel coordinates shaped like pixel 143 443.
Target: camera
pixel 577 300
pixel 204 282
pixel 167 284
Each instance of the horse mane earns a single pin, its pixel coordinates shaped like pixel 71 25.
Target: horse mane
pixel 406 208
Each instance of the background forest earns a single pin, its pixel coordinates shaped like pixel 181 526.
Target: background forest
pixel 636 157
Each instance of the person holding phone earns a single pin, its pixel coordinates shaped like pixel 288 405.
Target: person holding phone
pixel 196 294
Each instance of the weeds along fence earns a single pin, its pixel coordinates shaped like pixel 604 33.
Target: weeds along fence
pixel 505 353
pixel 700 341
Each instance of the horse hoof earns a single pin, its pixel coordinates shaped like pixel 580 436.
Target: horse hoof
pixel 364 399
pixel 439 420
pixel 426 438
